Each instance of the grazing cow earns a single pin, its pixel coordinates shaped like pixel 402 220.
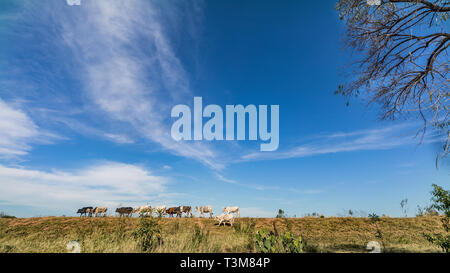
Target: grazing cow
pixel 186 209
pixel 204 209
pixel 229 210
pixel 225 218
pixel 127 211
pixel 86 211
pixel 160 210
pixel 173 210
pixel 100 211
pixel 143 211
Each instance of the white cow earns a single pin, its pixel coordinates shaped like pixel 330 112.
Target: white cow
pixel 229 210
pixel 225 218
pixel 100 211
pixel 160 210
pixel 143 210
pixel 204 209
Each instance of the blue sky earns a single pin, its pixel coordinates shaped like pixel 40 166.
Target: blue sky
pixel 86 93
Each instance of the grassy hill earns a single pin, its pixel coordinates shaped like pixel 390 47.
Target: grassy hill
pixel 113 234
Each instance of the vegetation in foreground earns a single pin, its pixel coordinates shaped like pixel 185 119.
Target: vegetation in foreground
pixel 307 234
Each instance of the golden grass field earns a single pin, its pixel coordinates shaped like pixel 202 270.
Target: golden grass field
pixel 114 234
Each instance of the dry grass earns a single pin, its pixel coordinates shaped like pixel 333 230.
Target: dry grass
pixel 112 234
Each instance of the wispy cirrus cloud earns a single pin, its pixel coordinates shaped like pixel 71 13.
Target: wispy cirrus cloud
pixel 18 132
pixel 360 140
pixel 260 187
pixel 224 179
pixel 113 62
pixel 122 139
pixel 130 71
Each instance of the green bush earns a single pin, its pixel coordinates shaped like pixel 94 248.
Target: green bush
pixel 269 242
pixel 148 234
pixel 281 214
pixel 441 202
pixel 374 217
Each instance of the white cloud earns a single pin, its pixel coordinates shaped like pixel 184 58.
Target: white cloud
pixel 108 183
pixel 260 187
pixel 361 140
pixel 18 132
pixel 130 71
pixel 224 179
pixel 122 139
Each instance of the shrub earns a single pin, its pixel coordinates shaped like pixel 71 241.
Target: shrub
pixel 269 242
pixel 148 234
pixel 281 214
pixel 441 202
pixel 374 217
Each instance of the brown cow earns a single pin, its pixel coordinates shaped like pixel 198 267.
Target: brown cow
pixel 174 210
pixel 127 211
pixel 186 209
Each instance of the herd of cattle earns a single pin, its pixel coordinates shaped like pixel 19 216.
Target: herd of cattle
pixel 226 217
